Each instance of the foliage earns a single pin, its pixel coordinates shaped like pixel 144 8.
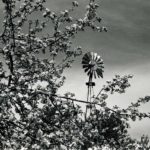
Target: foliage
pixel 36 117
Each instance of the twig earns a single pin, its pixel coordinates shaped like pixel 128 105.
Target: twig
pixel 99 92
pixel 77 100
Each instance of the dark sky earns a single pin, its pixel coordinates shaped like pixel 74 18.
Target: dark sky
pixel 125 49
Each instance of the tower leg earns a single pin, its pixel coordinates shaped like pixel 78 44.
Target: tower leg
pixel 90 85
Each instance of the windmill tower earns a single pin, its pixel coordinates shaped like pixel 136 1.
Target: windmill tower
pixel 93 65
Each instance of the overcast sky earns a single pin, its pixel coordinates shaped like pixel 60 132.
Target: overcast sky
pixel 125 49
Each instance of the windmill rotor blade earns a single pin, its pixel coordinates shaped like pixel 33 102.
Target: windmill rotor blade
pixel 100 63
pixel 86 69
pixel 93 65
pixel 85 66
pixel 86 59
pixel 92 56
pixel 100 66
pixel 89 55
pixel 98 57
pixel 95 56
pixel 99 72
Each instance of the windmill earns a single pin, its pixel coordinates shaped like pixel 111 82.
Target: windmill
pixel 93 65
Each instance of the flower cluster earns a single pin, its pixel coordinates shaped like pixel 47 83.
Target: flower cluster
pixel 118 84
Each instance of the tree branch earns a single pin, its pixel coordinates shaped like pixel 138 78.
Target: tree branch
pixel 76 100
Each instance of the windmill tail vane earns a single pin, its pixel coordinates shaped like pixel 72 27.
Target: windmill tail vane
pixel 93 65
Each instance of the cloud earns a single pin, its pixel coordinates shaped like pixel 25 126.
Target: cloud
pixel 124 48
pixel 76 79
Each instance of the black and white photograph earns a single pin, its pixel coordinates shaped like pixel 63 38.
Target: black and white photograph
pixel 75 75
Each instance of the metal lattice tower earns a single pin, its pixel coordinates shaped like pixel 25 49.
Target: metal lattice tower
pixel 93 65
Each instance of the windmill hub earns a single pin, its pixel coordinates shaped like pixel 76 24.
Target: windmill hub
pixel 92 63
